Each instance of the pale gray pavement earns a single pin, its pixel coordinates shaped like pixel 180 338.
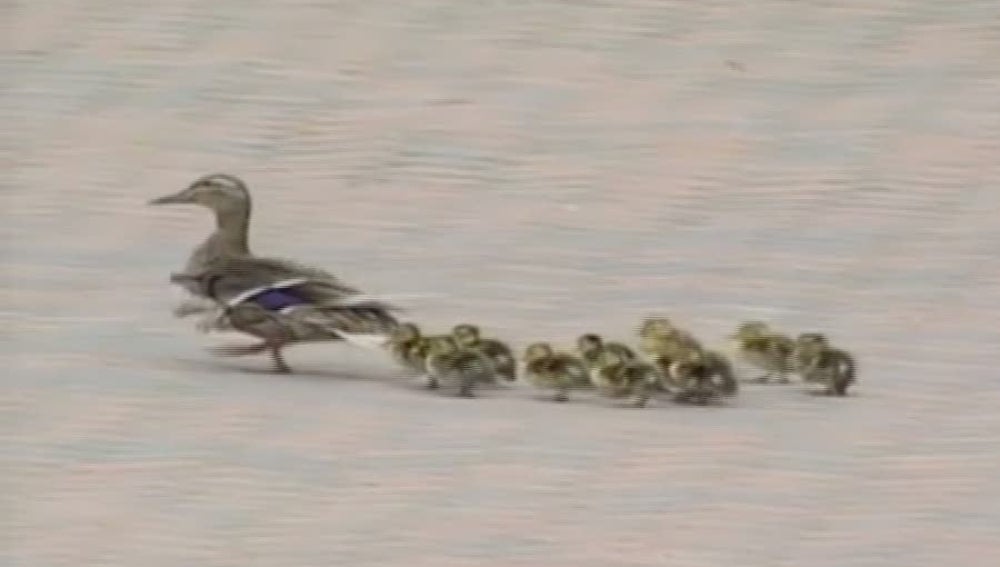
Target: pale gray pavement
pixel 550 167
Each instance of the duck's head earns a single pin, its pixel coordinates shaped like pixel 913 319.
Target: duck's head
pixel 220 192
pixel 589 342
pixel 465 334
pixel 610 358
pixel 443 345
pixel 811 342
pixel 694 357
pixel 819 338
pixel 750 330
pixel 536 351
pixel 656 327
pixel 406 332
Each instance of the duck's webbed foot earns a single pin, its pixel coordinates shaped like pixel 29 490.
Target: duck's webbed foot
pixel 240 350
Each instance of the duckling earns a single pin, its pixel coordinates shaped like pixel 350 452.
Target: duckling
pixel 702 377
pixel 819 362
pixel 468 336
pixel 617 376
pixel 547 369
pixel 459 366
pixel 591 346
pixel 404 346
pixel 765 349
pixel 282 305
pixel 663 344
pixel 725 377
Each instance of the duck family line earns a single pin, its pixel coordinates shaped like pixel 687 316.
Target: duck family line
pixel 282 302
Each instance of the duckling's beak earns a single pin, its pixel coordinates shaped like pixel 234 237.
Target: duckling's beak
pixel 183 197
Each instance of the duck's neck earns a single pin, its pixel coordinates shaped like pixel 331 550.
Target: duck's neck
pixel 231 229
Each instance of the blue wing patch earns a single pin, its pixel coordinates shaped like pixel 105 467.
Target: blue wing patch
pixel 278 299
pixel 274 297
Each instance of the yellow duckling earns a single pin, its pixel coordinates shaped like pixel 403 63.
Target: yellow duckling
pixel 405 344
pixel 765 349
pixel 456 366
pixel 663 343
pixel 591 346
pixel 468 336
pixel 547 369
pixel 616 376
pixel 819 362
pixel 702 377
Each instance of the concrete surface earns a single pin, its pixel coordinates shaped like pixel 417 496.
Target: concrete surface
pixel 548 167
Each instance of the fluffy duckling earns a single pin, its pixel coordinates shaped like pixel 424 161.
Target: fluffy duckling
pixel 549 370
pixel 457 366
pixel 663 343
pixel 468 336
pixel 765 349
pixel 819 362
pixel 702 377
pixel 617 376
pixel 591 346
pixel 408 347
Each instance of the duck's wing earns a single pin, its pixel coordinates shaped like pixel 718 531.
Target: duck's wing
pixel 263 271
pixel 295 305
pixel 236 279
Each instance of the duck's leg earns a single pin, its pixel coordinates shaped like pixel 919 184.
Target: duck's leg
pixel 240 350
pixel 280 366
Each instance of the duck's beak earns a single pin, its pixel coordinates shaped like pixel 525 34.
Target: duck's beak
pixel 182 197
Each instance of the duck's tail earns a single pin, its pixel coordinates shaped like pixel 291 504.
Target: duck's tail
pixel 386 302
pixel 370 341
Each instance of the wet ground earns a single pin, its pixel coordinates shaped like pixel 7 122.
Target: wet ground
pixel 545 168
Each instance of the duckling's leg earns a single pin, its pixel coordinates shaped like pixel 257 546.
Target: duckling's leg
pixel 693 394
pixel 763 379
pixel 467 384
pixel 640 395
pixel 727 386
pixel 430 382
pixel 562 392
pixel 837 386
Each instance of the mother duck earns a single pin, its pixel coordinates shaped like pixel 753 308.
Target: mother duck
pixel 277 300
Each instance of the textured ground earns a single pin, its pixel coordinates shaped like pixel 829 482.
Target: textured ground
pixel 549 167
